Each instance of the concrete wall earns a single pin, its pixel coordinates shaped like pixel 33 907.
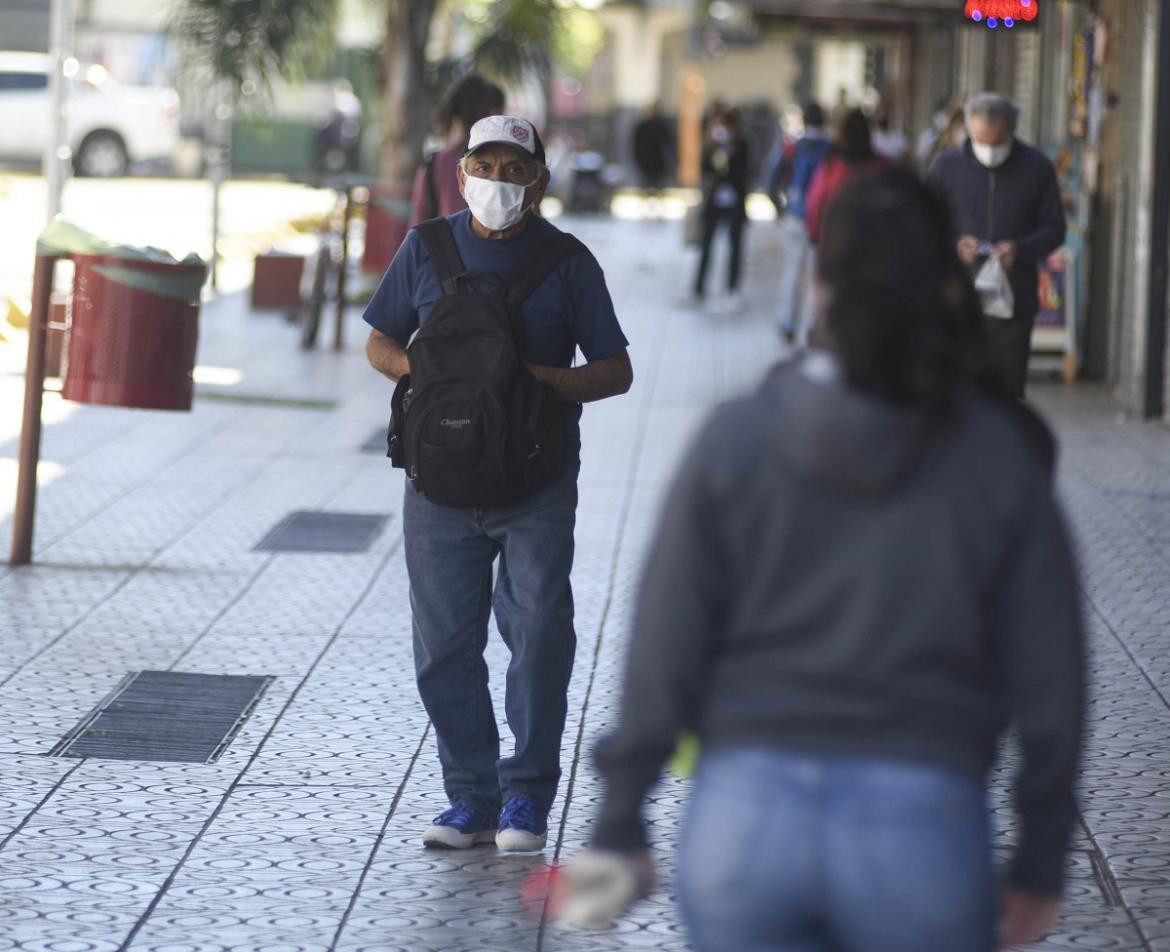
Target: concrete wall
pixel 1135 33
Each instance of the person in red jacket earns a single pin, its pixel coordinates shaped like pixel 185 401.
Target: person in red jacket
pixel 852 155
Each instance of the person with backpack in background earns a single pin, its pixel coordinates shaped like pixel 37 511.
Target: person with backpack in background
pixel 860 580
pixel 725 184
pixel 802 158
pixel 478 319
pixel 436 186
pixel 793 176
pixel 852 155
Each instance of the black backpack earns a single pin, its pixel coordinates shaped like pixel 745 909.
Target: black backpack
pixel 470 424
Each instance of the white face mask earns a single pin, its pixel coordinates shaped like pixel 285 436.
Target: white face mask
pixel 991 156
pixel 496 205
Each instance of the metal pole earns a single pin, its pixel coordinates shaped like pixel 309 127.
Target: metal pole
pixel 57 154
pixel 30 430
pixel 1154 390
pixel 338 330
pixel 220 162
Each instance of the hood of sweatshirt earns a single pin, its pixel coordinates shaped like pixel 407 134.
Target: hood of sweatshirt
pixel 838 436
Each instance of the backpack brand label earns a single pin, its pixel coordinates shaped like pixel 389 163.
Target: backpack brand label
pixel 454 423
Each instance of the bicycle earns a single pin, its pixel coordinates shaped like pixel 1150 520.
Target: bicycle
pixel 330 262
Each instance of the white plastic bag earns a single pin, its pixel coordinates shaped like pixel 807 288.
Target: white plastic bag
pixel 995 290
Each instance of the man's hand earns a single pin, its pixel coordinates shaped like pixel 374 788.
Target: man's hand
pixel 1026 917
pixel 597 886
pixel 968 248
pixel 1007 252
pixel 549 375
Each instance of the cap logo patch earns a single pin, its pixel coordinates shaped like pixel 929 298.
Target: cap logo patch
pixel 520 134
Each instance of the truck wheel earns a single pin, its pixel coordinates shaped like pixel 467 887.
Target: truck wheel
pixel 102 155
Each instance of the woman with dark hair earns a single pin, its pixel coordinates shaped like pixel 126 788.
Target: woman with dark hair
pixel 436 187
pixel 860 579
pixel 852 155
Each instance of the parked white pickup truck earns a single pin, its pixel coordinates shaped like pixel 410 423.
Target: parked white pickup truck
pixel 109 124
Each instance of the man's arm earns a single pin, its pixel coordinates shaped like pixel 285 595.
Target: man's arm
pixel 387 356
pixel 1037 618
pixel 595 380
pixel 1050 228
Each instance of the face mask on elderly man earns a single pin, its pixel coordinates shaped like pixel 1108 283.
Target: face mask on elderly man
pixel 496 205
pixel 991 156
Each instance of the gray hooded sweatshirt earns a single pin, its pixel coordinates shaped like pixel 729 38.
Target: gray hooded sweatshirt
pixel 833 572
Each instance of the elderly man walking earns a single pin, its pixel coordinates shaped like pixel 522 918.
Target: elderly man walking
pixel 494 302
pixel 1005 202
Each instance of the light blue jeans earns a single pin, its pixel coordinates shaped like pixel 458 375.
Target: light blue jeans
pixel 795 852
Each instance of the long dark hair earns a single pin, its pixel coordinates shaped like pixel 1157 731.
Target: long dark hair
pixel 469 100
pixel 854 140
pixel 902 312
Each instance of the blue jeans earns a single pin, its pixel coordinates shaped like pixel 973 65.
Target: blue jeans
pixel 449 557
pixel 796 852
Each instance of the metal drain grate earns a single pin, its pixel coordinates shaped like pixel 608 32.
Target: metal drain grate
pixel 376 443
pixel 323 532
pixel 166 716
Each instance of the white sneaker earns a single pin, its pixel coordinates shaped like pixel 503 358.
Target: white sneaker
pixel 733 304
pixel 459 828
pixel 523 828
pixel 691 302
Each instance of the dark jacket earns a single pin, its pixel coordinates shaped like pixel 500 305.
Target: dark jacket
pixel 725 164
pixel 653 150
pixel 1018 201
pixel 835 573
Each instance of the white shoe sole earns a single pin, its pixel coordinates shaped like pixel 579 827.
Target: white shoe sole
pixel 520 841
pixel 447 837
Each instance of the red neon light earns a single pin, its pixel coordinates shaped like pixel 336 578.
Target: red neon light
pixel 1002 11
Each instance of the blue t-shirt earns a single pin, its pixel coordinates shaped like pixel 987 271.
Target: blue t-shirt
pixel 570 309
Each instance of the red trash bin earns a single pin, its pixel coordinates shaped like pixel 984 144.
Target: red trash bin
pixel 132 329
pixel 387 222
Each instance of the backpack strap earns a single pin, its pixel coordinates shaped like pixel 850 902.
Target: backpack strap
pixel 540 264
pixel 432 191
pixel 440 245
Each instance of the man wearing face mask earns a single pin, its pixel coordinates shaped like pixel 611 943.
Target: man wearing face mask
pixel 1005 201
pixel 451 550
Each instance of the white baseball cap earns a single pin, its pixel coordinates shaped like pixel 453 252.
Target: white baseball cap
pixel 506 130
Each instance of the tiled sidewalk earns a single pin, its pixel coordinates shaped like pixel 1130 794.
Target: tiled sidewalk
pixel 304 834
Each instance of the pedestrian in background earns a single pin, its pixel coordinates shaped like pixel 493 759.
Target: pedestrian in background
pixel 725 180
pixel 794 174
pixel 889 141
pixel 436 186
pixel 1005 203
pixel 950 135
pixel 801 159
pixel 860 578
pixel 852 155
pixel 653 148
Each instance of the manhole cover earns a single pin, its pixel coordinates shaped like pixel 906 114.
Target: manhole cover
pixel 166 715
pixel 323 532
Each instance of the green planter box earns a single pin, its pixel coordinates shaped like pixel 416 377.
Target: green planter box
pixel 273 146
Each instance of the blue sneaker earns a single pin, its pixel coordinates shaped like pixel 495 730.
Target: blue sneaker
pixel 523 827
pixel 460 827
